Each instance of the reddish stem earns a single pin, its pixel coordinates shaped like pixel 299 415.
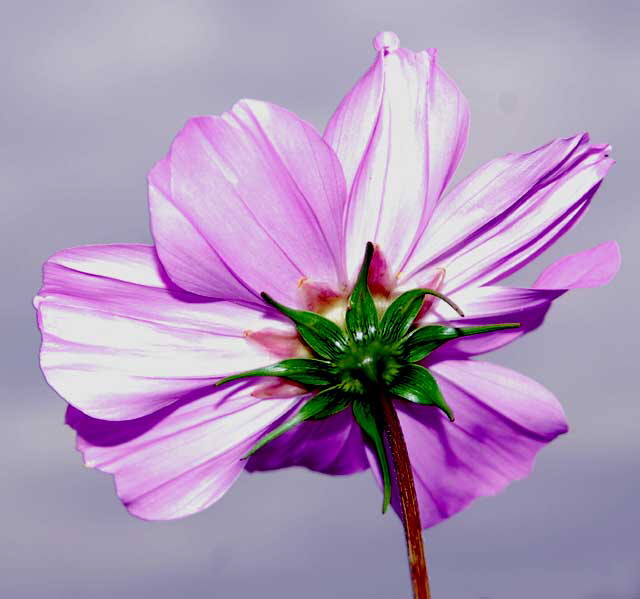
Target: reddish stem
pixel 408 501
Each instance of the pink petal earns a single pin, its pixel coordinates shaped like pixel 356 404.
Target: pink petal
pixel 182 458
pixel 509 211
pixel 333 446
pixel 491 305
pixel 494 304
pixel 590 268
pixel 170 228
pixel 256 193
pixel 399 134
pixel 119 340
pixel 503 419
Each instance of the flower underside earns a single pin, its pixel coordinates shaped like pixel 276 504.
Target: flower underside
pixel 375 356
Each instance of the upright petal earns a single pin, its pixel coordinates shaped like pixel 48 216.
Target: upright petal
pixel 503 419
pixel 182 458
pixel 333 446
pixel 256 191
pixel 213 277
pixel 399 134
pixel 509 211
pixel 119 340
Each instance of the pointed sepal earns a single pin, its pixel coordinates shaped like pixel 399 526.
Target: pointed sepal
pixel 416 384
pixel 361 316
pixel 320 406
pixel 419 344
pixel 322 335
pixel 373 429
pixel 316 373
pixel 399 317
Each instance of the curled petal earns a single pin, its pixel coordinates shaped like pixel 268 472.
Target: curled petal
pixel 332 446
pixel 181 459
pixel 399 134
pixel 119 340
pixel 509 211
pixel 256 190
pixel 503 419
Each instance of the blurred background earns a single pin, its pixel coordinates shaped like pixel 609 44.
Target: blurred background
pixel 92 94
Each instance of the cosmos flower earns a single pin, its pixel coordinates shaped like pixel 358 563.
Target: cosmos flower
pixel 255 210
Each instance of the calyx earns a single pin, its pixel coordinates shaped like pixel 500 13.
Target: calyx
pixel 375 356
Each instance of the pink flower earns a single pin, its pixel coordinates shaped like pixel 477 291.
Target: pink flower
pixel 135 337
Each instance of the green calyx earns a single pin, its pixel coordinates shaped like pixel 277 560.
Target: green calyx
pixel 374 356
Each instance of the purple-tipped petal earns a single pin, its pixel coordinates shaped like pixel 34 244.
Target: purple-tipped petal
pixel 182 458
pixel 503 419
pixel 333 446
pixel 256 191
pixel 509 211
pixel 119 340
pixel 399 134
pixel 591 268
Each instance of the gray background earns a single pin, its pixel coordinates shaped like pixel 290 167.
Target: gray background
pixel 92 94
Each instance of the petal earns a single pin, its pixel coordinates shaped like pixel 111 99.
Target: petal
pixel 399 134
pixel 491 305
pixel 509 211
pixel 256 190
pixel 333 446
pixel 503 419
pixel 119 340
pixel 182 458
pixel 494 304
pixel 590 268
pixel 177 242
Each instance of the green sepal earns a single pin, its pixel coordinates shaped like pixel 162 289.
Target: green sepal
pixel 419 344
pixel 400 315
pixel 372 427
pixel 361 316
pixel 403 311
pixel 416 384
pixel 322 335
pixel 320 406
pixel 316 373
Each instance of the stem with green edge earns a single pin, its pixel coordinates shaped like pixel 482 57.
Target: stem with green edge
pixel 408 500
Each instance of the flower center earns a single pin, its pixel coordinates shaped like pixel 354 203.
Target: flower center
pixel 373 354
pixel 372 365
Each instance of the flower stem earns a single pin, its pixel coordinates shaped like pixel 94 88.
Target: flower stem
pixel 408 501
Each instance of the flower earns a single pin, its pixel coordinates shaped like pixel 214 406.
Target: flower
pixel 256 202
